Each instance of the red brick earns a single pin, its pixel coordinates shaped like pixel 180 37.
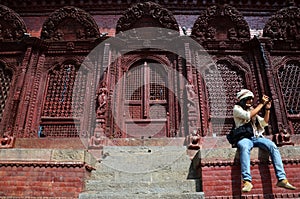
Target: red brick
pixel 27 181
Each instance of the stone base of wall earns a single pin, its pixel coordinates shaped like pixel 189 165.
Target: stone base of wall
pixel 220 173
pixel 55 173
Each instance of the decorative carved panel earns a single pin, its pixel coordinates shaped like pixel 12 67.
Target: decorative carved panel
pixel 219 23
pixel 12 26
pixel 284 25
pixel 147 14
pixel 70 23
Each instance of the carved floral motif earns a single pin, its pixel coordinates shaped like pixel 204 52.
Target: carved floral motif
pixel 285 24
pixel 83 24
pixel 163 16
pixel 12 27
pixel 235 28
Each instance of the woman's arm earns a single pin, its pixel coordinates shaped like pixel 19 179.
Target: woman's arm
pixel 267 113
pixel 255 111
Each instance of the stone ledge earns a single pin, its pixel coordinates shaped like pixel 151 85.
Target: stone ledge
pixel 49 143
pixel 54 157
pixel 230 156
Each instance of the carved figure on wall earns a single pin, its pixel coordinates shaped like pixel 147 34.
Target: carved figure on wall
pixel 232 35
pixel 98 139
pixel 58 35
pixel 192 107
pixel 102 101
pixel 293 30
pixel 7 140
pixel 191 93
pixel 70 46
pixel 283 137
pixel 211 33
pixel 194 140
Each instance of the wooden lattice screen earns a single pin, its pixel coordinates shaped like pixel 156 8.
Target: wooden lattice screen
pixel 5 81
pixel 290 88
pixel 61 107
pixel 231 82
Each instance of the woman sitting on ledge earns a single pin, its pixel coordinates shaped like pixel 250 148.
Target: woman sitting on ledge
pixel 244 112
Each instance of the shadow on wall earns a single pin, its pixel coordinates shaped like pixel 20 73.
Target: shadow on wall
pixel 236 182
pixel 195 173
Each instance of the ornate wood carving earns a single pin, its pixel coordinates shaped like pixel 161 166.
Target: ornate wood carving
pixel 219 23
pixel 163 17
pixel 12 27
pixel 284 25
pixel 70 23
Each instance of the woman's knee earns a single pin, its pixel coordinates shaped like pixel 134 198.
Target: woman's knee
pixel 244 145
pixel 271 146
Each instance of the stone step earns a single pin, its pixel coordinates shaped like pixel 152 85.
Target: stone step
pixel 142 172
pixel 184 186
pixel 143 149
pixel 145 159
pixel 118 195
pixel 154 176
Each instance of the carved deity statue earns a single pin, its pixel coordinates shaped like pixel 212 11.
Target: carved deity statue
pixel 97 140
pixel 7 140
pixel 102 101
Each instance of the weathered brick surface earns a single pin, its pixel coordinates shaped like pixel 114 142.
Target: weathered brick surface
pixel 28 180
pixel 43 173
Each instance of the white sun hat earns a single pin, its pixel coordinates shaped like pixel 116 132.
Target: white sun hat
pixel 244 93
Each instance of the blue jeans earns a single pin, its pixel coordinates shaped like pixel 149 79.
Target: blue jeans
pixel 245 146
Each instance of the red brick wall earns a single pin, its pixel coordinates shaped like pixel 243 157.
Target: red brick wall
pixel 24 180
pixel 224 181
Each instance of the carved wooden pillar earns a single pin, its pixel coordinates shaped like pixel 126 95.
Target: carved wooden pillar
pixel 38 89
pixel 18 99
pixel 192 94
pixel 203 114
pixel 30 86
pixel 271 89
pixel 181 97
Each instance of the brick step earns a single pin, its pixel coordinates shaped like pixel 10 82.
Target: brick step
pixel 118 195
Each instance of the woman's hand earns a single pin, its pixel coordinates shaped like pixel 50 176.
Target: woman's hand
pixel 265 99
pixel 268 105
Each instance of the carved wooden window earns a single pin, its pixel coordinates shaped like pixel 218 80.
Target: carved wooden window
pixel 290 88
pixel 61 107
pixel 5 81
pixel 228 80
pixel 146 87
